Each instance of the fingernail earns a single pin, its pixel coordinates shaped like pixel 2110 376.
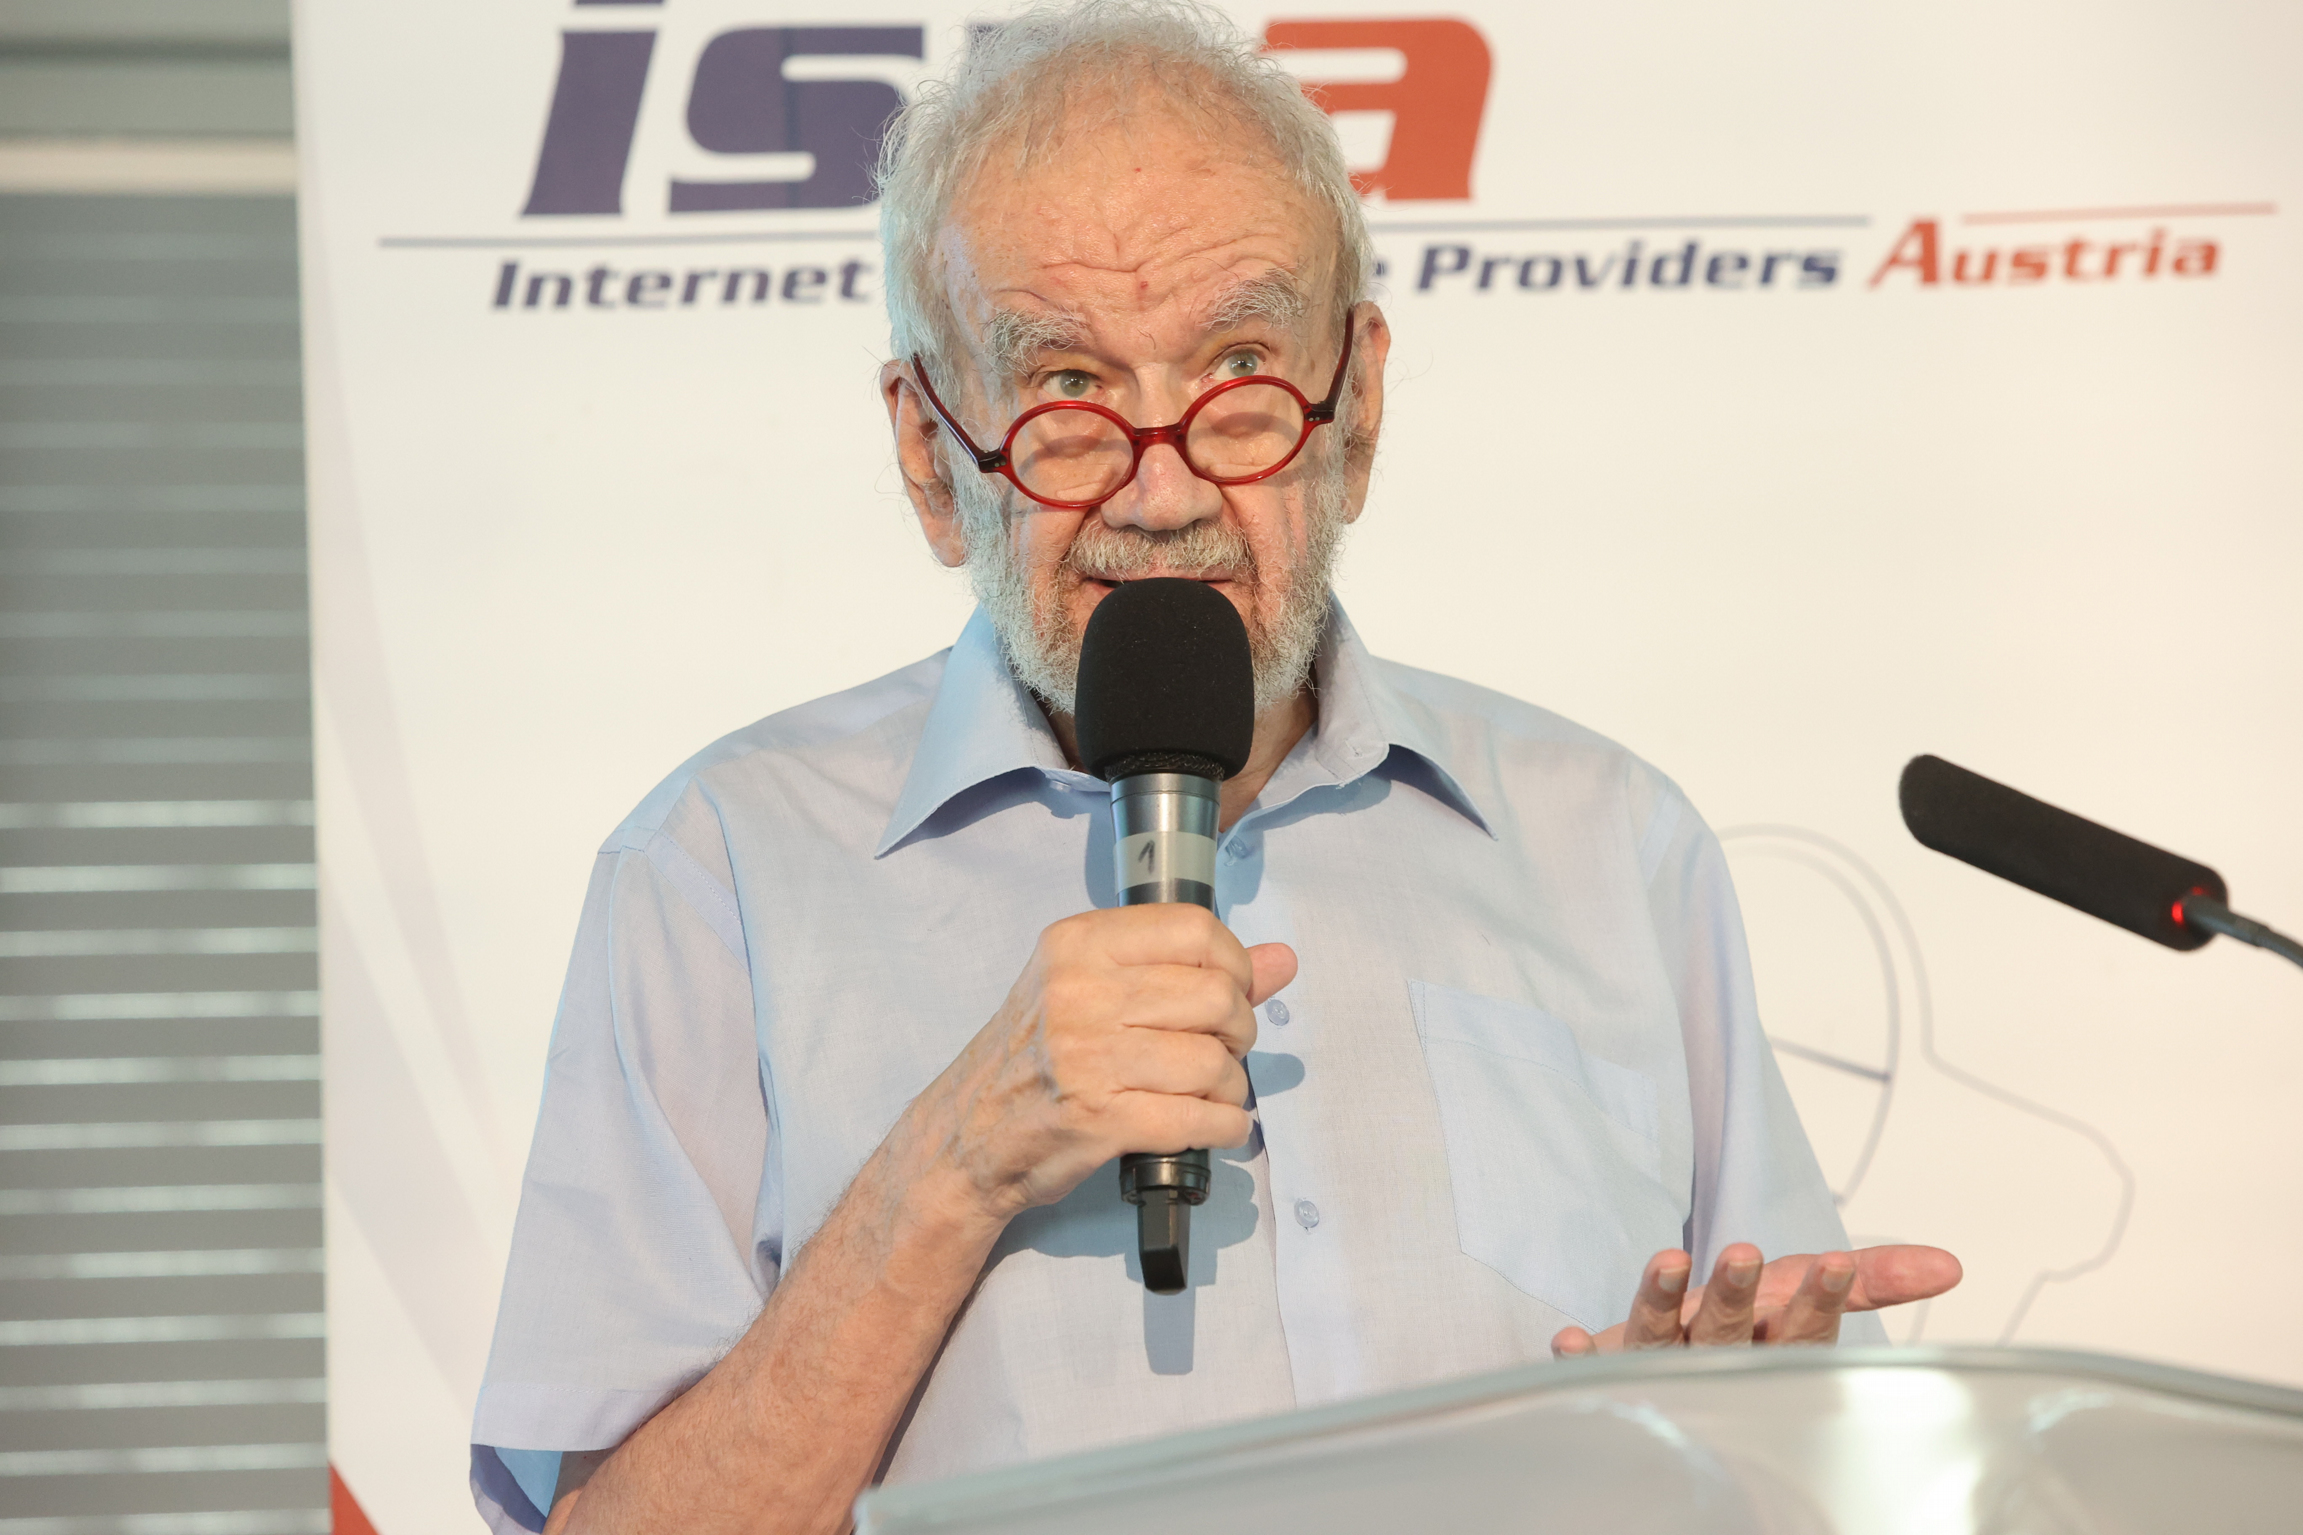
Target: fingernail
pixel 1837 1280
pixel 1671 1281
pixel 1742 1273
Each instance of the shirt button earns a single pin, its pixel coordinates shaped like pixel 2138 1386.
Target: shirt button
pixel 1232 852
pixel 1276 1011
pixel 1306 1214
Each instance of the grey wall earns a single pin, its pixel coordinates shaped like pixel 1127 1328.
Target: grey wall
pixel 144 67
pixel 160 1292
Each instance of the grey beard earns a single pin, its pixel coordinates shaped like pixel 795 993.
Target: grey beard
pixel 1035 628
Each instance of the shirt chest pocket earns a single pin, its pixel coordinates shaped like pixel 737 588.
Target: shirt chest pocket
pixel 1552 1153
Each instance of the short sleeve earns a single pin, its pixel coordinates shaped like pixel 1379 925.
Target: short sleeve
pixel 650 1229
pixel 1756 1177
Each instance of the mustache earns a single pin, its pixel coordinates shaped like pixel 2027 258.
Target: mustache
pixel 1206 550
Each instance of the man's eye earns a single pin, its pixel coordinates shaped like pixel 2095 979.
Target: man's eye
pixel 1240 365
pixel 1071 384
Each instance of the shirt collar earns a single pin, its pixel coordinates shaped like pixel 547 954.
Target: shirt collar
pixel 1363 719
pixel 985 724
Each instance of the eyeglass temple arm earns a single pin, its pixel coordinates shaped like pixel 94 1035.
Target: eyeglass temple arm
pixel 1324 411
pixel 988 462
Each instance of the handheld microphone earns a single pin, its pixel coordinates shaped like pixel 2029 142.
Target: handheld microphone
pixel 1165 711
pixel 2150 892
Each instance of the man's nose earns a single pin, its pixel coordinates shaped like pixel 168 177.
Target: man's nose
pixel 1164 494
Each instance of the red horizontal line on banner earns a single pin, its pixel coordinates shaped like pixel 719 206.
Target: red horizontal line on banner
pixel 1693 221
pixel 2151 211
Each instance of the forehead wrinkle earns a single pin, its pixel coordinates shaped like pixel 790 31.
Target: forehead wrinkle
pixel 1089 277
pixel 1017 335
pixel 1202 282
pixel 1101 259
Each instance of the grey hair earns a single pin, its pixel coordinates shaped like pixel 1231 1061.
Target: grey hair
pixel 1016 338
pixel 1023 83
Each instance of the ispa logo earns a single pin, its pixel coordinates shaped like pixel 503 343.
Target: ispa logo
pixel 784 120
pixel 762 90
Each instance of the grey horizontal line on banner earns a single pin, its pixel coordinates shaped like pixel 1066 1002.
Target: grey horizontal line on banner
pixel 161 687
pixel 1691 221
pixel 145 309
pixel 99 45
pixel 131 500
pixel 115 1070
pixel 116 1006
pixel 244 253
pixel 1466 226
pixel 164 1459
pixel 182 1263
pixel 80 1330
pixel 604 242
pixel 254 1521
pixel 160 1198
pixel 158 562
pixel 219 624
pixel 135 1135
pixel 147 751
pixel 113 436
pixel 148 372
pixel 153 500
pixel 86 942
pixel 83 879
pixel 285 497
pixel 119 815
pixel 113 1396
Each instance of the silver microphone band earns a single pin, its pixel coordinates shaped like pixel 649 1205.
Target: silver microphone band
pixel 1164 835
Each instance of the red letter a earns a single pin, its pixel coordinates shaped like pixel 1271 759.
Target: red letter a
pixel 1435 105
pixel 1915 250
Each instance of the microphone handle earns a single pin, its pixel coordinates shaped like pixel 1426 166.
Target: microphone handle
pixel 1163 849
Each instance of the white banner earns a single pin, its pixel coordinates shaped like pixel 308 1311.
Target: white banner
pixel 1781 390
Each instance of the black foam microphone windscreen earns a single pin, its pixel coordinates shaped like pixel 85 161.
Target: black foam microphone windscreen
pixel 2064 857
pixel 1165 682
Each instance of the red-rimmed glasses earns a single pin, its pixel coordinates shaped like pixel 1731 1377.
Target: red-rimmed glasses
pixel 1075 454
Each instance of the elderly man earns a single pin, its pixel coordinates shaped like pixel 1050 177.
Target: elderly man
pixel 823 1186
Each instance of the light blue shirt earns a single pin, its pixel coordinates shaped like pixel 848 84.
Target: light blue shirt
pixel 1521 1056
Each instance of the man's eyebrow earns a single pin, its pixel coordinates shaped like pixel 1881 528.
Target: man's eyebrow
pixel 1271 296
pixel 1016 338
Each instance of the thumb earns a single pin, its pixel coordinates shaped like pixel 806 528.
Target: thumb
pixel 1898 1274
pixel 1274 967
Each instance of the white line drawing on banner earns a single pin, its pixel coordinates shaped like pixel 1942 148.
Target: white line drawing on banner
pixel 1875 1078
pixel 1859 1059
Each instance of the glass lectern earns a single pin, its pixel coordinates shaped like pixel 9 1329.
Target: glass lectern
pixel 1784 1441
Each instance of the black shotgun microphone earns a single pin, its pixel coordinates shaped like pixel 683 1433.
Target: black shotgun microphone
pixel 2130 884
pixel 1165 711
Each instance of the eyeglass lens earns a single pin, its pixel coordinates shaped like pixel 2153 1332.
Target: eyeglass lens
pixel 1082 455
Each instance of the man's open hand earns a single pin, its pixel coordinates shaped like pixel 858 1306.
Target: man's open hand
pixel 1125 1032
pixel 1798 1299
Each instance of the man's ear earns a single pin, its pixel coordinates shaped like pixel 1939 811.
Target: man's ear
pixel 917 433
pixel 1371 345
